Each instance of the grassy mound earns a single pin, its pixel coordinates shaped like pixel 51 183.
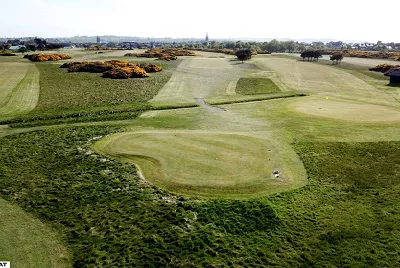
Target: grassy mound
pixel 253 86
pixel 346 216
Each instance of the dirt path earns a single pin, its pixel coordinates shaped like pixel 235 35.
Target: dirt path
pixel 208 107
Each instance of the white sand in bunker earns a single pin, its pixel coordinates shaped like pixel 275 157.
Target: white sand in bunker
pixel 360 112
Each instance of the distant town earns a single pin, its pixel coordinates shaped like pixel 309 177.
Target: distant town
pixel 117 42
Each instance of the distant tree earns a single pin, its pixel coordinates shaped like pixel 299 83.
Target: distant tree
pixel 274 46
pixel 290 46
pixel 22 50
pixel 6 46
pixel 311 54
pixel 51 46
pixel 318 45
pixel 111 44
pixel 317 54
pixel 243 54
pixel 335 45
pixel 229 45
pixel 301 47
pixel 239 45
pixel 40 44
pixel 31 47
pixel 337 57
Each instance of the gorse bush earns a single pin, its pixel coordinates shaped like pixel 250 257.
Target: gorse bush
pixel 366 54
pixel 150 68
pixel 126 72
pixel 162 54
pixel 383 68
pixel 47 57
pixel 337 57
pixel 115 69
pixel 7 54
pixel 229 51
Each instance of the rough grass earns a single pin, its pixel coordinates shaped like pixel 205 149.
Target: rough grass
pixel 26 242
pixel 62 90
pixel 253 86
pixel 92 114
pixel 346 216
pixel 81 97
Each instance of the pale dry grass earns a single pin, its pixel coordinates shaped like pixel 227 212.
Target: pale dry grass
pixel 199 78
pixel 324 80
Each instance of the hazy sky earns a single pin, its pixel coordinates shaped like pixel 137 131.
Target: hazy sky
pixel 340 19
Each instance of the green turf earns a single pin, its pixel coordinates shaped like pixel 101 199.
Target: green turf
pixel 210 164
pixel 80 97
pixel 346 216
pixel 253 86
pixel 19 89
pixel 26 242
pixel 109 216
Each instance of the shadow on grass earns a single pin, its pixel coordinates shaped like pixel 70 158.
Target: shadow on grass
pixel 396 85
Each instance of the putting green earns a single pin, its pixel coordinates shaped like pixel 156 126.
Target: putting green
pixel 345 110
pixel 207 164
